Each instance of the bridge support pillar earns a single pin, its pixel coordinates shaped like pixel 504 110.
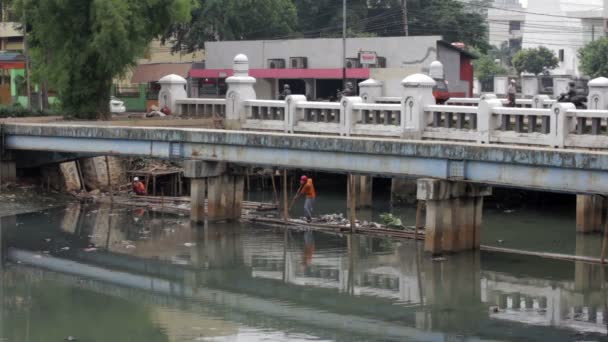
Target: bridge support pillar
pixel 362 192
pixel 216 194
pixel 453 214
pixel 8 171
pixel 590 213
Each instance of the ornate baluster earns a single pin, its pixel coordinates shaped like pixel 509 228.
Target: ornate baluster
pixel 519 123
pixel 546 125
pixel 436 119
pixel 596 126
pixel 581 124
pixel 532 124
pixel 505 122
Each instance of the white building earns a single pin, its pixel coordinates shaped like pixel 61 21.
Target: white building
pixel 563 26
pixel 505 23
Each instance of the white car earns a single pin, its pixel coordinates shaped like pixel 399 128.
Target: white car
pixel 117 106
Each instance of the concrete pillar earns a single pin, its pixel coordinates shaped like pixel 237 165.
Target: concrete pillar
pixel 8 171
pixel 501 85
pixel 198 194
pixel 598 94
pixel 240 89
pixel 587 277
pixel 453 214
pixel 370 90
pixel 172 88
pixel 223 191
pixel 362 192
pixel 590 213
pixel 417 93
pixel 560 86
pixel 403 191
pixel 529 86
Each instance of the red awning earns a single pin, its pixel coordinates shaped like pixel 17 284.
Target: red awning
pixel 12 65
pixel 284 73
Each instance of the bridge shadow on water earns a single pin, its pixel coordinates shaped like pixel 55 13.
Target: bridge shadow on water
pixel 113 273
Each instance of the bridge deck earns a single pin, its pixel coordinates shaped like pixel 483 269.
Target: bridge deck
pixel 576 171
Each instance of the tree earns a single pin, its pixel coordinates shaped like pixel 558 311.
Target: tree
pixel 594 58
pixel 486 68
pixel 323 18
pixel 214 20
pixel 535 60
pixel 79 46
pixel 451 19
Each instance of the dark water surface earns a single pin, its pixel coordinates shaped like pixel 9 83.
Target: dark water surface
pixel 153 277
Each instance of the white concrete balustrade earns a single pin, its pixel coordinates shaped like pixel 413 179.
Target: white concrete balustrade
pixel 538 121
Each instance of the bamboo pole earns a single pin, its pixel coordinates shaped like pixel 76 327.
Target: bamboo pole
pixel 419 224
pixel 604 243
pixel 274 189
pixel 285 198
pixel 352 203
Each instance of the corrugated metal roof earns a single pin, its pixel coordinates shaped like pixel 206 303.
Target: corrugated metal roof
pixel 146 73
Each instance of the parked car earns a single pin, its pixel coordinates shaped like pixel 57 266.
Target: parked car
pixel 117 106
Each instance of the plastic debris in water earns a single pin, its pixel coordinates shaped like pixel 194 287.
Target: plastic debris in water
pixel 65 249
pixel 130 246
pixel 189 244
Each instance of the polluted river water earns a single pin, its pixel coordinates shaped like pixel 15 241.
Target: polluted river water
pixel 113 273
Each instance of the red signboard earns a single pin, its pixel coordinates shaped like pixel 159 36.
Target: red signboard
pixel 368 58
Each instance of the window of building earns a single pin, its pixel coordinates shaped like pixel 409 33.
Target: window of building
pixel 561 55
pixel 514 26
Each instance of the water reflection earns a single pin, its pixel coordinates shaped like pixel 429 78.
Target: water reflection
pixel 248 282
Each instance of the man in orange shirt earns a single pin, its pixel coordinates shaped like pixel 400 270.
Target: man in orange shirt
pixel 139 188
pixel 308 189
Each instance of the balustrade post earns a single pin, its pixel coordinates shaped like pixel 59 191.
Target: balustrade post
pixel 240 89
pixel 417 93
pixel 370 90
pixel 598 94
pixel 530 86
pixel 347 119
pixel 291 115
pixel 501 85
pixel 486 123
pixel 539 101
pixel 561 125
pixel 172 88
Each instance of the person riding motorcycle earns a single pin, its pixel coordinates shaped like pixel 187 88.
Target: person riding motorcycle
pixel 573 96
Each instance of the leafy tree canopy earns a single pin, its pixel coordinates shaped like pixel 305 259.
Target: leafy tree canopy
pixel 79 46
pixel 214 20
pixel 594 58
pixel 535 61
pixel 486 68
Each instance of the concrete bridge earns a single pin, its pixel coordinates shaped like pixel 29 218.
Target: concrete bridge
pixel 464 149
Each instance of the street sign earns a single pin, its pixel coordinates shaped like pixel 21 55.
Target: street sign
pixel 368 58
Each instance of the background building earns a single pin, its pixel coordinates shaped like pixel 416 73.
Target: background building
pixel 505 23
pixel 313 67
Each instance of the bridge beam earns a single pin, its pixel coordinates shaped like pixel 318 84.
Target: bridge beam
pixel 590 213
pixel 453 214
pixel 222 190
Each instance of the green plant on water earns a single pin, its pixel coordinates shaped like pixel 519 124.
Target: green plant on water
pixel 390 220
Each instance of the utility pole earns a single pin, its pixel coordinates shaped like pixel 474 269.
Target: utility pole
pixel 27 59
pixel 343 44
pixel 406 26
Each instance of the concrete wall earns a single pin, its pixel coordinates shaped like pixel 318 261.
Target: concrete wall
pixel 391 79
pixel 451 67
pixel 265 89
pixel 324 53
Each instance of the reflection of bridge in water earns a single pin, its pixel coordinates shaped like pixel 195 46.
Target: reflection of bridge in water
pixel 296 275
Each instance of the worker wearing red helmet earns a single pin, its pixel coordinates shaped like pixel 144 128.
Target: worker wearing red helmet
pixel 308 190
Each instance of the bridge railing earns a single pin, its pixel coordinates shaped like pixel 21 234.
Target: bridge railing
pixel 206 108
pixel 266 115
pixel 451 123
pixel 318 117
pixel 537 102
pixel 586 128
pixel 529 126
pixel 373 119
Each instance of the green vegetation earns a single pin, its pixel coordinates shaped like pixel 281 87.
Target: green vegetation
pixel 79 46
pixel 535 61
pixel 486 68
pixel 17 111
pixel 280 19
pixel 594 58
pixel 391 221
